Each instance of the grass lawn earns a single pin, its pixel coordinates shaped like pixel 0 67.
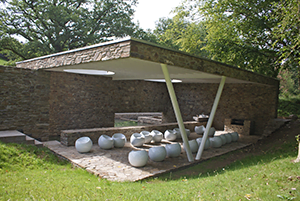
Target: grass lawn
pixel 28 173
pixel 2 62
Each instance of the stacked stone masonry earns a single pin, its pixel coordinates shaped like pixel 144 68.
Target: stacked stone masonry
pixel 101 53
pixel 24 101
pixel 245 129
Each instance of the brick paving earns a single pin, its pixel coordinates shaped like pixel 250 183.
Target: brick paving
pixel 113 164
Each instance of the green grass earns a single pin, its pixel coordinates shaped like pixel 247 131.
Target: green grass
pixel 2 62
pixel 289 105
pixel 31 174
pixel 120 123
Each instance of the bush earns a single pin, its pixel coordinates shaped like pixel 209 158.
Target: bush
pixel 289 105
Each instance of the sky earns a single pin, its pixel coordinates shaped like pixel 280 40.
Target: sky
pixel 149 11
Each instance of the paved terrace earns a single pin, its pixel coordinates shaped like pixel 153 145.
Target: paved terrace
pixel 113 164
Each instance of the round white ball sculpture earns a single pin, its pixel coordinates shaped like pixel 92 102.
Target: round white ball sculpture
pixel 223 138
pixel 105 142
pixel 207 143
pixel 119 140
pixel 211 132
pixel 137 139
pixel 188 132
pixel 228 137
pixel 147 135
pixel 216 142
pixel 138 158
pixel 170 135
pixel 157 136
pixel 173 150
pixel 178 133
pixel 193 145
pixel 83 144
pixel 157 154
pixel 234 136
pixel 199 130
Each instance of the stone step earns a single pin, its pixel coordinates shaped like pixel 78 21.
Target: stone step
pixel 32 141
pixel 29 140
pixel 274 125
pixel 38 143
pixel 12 137
pixel 18 137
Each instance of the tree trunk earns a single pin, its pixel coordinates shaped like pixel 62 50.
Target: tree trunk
pixel 298 157
pixel 299 77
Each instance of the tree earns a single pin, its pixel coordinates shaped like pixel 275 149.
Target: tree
pixel 180 34
pixel 253 35
pixel 240 34
pixel 297 160
pixel 58 25
pixel 287 35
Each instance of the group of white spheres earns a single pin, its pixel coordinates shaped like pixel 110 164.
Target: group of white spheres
pixel 215 141
pixel 84 144
pixel 144 137
pixel 139 158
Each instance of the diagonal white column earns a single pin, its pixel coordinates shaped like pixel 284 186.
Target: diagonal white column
pixel 177 112
pixel 211 117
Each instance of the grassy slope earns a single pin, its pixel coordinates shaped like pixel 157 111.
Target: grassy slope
pixel 29 173
pixel 2 62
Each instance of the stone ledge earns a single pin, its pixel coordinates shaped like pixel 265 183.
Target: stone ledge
pixel 68 137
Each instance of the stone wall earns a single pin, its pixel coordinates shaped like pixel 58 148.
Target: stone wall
pixel 24 101
pixel 254 102
pixel 84 101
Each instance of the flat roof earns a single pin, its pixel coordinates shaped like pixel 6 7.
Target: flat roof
pixel 134 59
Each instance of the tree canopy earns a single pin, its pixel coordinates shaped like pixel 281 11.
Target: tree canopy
pixel 287 32
pixel 180 34
pixel 261 36
pixel 57 25
pixel 240 33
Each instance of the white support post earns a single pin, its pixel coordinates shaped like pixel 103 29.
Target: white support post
pixel 177 112
pixel 211 117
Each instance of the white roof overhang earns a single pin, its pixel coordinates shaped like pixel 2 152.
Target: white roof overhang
pixel 138 69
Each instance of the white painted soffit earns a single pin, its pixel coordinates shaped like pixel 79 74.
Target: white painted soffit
pixel 138 69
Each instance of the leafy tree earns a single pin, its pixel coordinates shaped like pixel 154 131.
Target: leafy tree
pixel 240 34
pixel 58 25
pixel 181 34
pixel 254 35
pixel 287 35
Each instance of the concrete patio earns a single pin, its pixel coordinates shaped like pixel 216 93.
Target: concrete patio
pixel 113 164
